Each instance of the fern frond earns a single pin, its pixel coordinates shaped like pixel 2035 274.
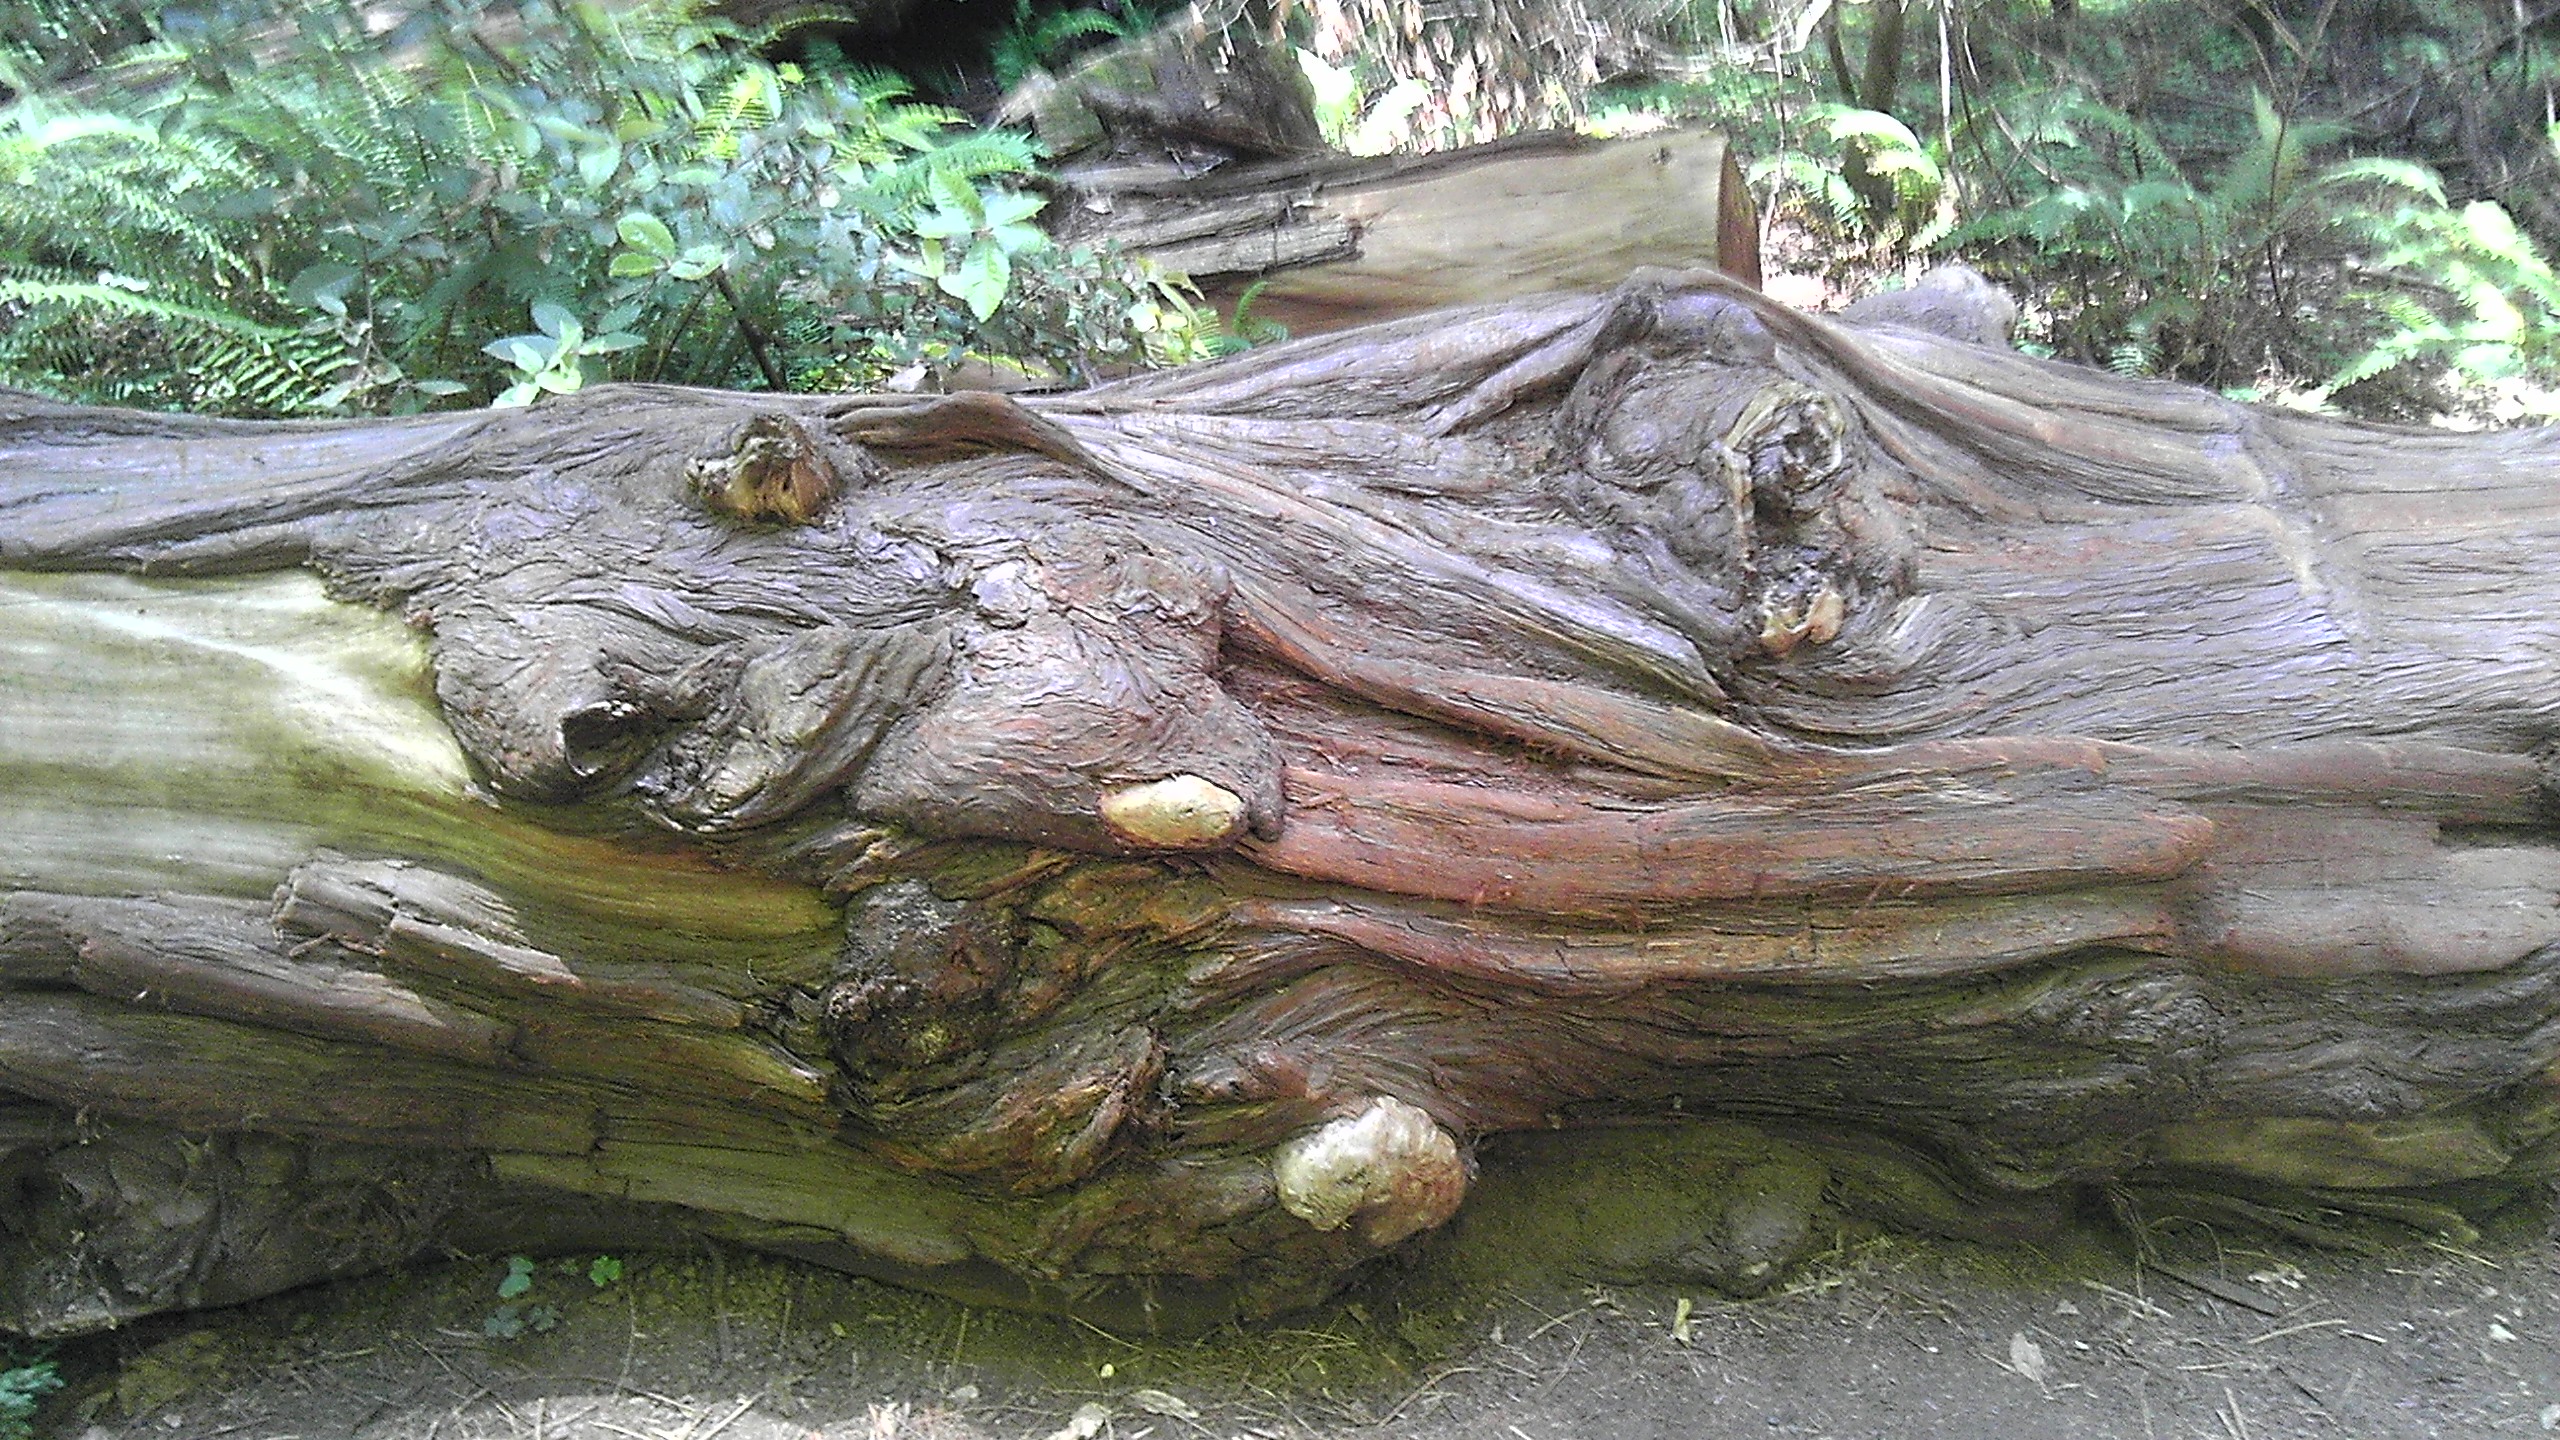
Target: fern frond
pixel 895 190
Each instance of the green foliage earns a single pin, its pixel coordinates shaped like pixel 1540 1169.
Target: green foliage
pixel 2145 265
pixel 321 229
pixel 24 1383
pixel 1033 41
pixel 162 295
pixel 553 360
pixel 2474 296
pixel 1210 337
pixel 1870 179
pixel 2163 184
pixel 519 1280
pixel 517 1315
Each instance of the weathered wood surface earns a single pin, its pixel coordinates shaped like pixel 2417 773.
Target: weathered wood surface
pixel 1197 145
pixel 1126 849
pixel 1335 241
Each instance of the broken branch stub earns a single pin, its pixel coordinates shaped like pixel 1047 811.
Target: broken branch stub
pixel 1127 850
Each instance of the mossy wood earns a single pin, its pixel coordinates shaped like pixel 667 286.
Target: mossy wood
pixel 1127 850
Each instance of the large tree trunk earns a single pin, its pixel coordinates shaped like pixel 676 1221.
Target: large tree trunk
pixel 1125 849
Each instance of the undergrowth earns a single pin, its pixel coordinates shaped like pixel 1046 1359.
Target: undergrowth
pixel 366 221
pixel 24 1382
pixel 2174 191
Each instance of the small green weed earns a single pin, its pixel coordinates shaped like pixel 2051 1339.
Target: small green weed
pixel 519 1314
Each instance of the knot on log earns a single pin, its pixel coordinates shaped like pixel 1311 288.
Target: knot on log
pixel 1391 1168
pixel 1690 436
pixel 920 978
pixel 779 470
pixel 1179 812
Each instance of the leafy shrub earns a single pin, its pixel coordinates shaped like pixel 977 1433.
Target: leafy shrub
pixel 330 229
pixel 2149 269
pixel 1033 41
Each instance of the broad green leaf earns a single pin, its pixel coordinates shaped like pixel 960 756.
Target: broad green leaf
pixel 322 286
pixel 646 232
pixel 927 265
pixel 698 261
pixel 1015 239
pixel 552 318
pixel 1010 207
pixel 597 163
pixel 519 1278
pixel 979 280
pixel 627 263
pixel 946 224
pixel 528 353
pixel 567 129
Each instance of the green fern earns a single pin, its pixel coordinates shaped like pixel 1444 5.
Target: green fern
pixel 24 1383
pixel 1033 41
pixel 1903 208
pixel 312 228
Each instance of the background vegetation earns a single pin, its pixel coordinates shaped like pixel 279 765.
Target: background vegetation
pixel 320 206
pixel 2325 201
pixel 290 209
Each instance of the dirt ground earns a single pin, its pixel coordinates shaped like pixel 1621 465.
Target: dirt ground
pixel 2228 1336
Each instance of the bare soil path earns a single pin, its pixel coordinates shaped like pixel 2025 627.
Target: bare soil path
pixel 2227 1338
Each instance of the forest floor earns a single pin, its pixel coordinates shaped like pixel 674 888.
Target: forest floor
pixel 2227 1337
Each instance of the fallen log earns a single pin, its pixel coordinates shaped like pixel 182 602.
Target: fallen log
pixel 1329 241
pixel 1126 851
pixel 1197 146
